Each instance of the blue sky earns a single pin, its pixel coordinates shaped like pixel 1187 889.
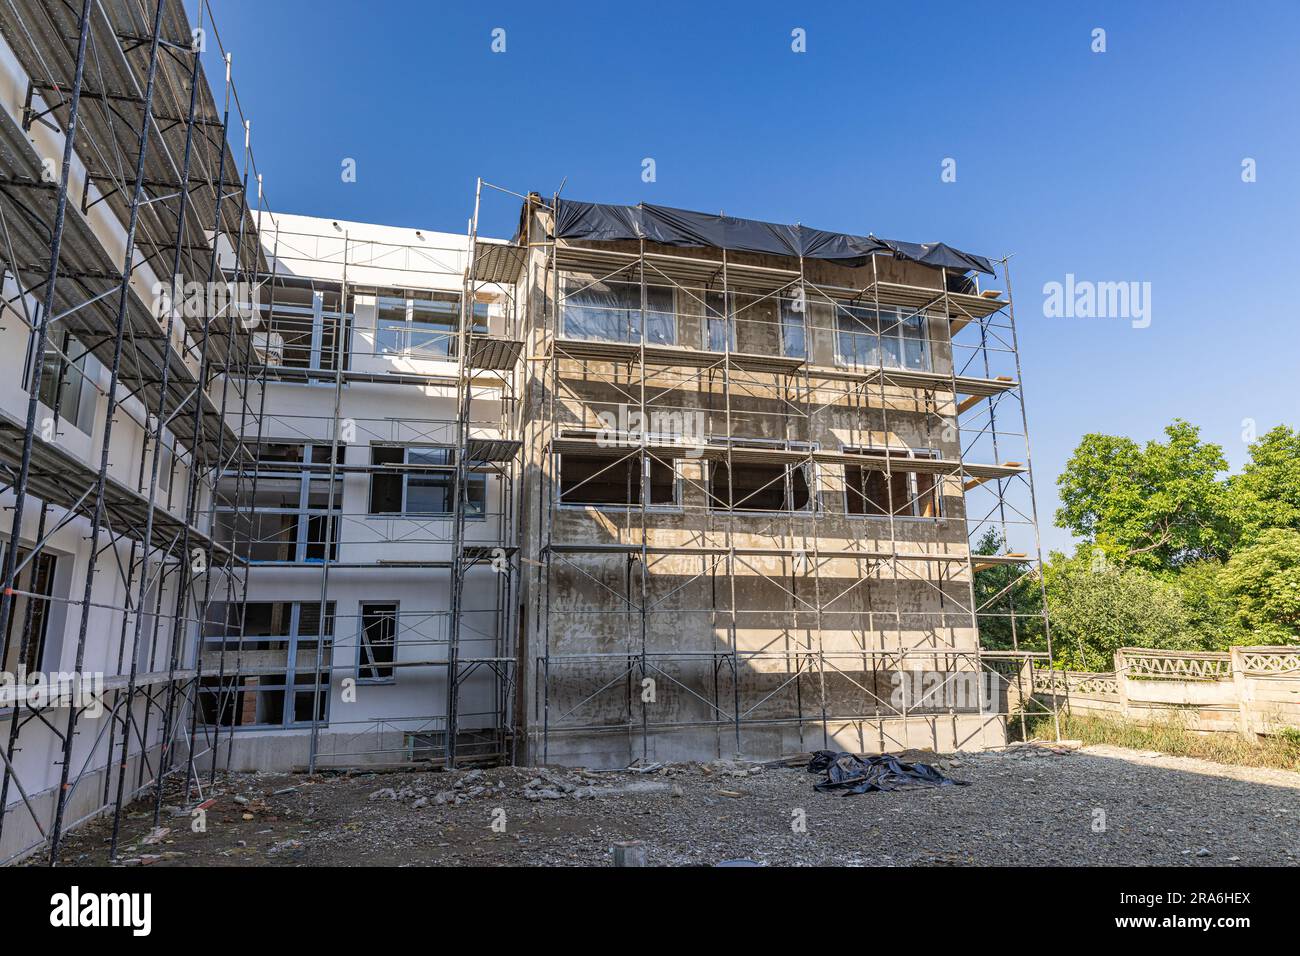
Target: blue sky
pixel 1122 166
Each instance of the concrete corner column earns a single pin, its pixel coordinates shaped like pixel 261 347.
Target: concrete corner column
pixel 1121 683
pixel 1238 660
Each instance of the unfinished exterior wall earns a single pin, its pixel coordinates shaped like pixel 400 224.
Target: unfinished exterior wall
pixel 226 537
pixel 675 628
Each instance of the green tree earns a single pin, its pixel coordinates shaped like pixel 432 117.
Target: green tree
pixel 1155 507
pixel 1264 579
pixel 1009 601
pixel 1098 607
pixel 1267 492
pixel 1210 604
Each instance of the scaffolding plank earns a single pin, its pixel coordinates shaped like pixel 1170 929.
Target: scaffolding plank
pixel 674 356
pixel 493 352
pixel 58 477
pixel 485 450
pixel 499 263
pixel 755 454
pixel 93 324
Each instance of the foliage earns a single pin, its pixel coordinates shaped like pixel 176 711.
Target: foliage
pixel 1264 580
pixel 1010 601
pixel 1191 559
pixel 1267 492
pixel 1173 553
pixel 1211 606
pixel 1154 507
pixel 1098 607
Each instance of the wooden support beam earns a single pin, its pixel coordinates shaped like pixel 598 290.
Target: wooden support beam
pixel 976 482
pixel 972 400
pixel 987 564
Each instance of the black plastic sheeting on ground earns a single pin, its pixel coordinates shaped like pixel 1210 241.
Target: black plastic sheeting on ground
pixel 849 773
pixel 602 222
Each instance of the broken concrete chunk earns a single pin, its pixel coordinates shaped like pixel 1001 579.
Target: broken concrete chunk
pixel 543 794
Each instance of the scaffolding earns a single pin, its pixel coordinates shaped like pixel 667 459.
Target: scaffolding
pixel 679 611
pixel 312 337
pixel 785 616
pixel 98 251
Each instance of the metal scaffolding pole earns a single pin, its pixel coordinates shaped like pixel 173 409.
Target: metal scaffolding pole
pixel 340 340
pixel 43 318
pixel 145 362
pixel 124 292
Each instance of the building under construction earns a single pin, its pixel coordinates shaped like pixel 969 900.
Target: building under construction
pixel 635 484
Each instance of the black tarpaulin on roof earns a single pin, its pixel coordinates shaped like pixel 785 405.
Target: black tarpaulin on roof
pixel 601 222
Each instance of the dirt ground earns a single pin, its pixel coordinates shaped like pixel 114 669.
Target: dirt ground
pixel 1027 805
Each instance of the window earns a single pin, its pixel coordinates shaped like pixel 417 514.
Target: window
pixel 611 480
pixel 866 491
pixel 867 338
pixel 378 641
pixel 304 326
pixel 612 312
pixel 429 493
pixel 276 686
pixel 759 486
pixel 422 324
pixel 794 338
pixel 293 328
pixel 391 315
pixel 35 577
pixel 857 336
pixel 912 330
pixel 66 383
pixel 720 321
pixel 427 488
pixel 291 514
pixel 905 494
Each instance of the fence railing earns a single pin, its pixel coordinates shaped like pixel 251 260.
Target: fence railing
pixel 1245 690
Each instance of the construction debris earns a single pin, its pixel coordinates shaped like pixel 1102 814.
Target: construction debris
pixel 1242 815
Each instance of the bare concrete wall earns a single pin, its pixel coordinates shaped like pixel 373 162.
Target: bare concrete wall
pixel 784 640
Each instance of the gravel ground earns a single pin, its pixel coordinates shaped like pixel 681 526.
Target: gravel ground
pixel 1026 805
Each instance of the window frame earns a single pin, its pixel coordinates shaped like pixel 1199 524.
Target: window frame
pixel 711 315
pixel 286 684
pixel 583 285
pixel 38 575
pixel 910 476
pixel 894 318
pixel 406 329
pixel 450 470
pixel 76 404
pixel 646 459
pixel 285 315
pixel 811 476
pixel 304 474
pixel 362 644
pixel 786 310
